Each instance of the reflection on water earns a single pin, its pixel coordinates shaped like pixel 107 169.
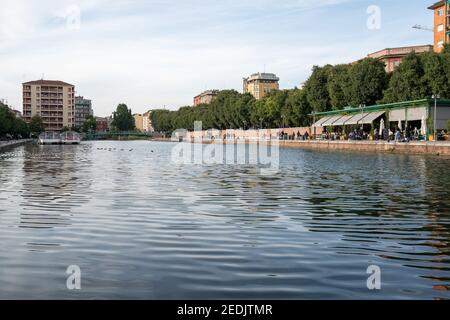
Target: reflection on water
pixel 140 227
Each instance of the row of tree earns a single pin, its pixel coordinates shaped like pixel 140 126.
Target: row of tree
pixel 11 125
pixel 366 82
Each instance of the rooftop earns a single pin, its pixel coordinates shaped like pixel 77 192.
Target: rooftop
pixel 43 82
pixel 208 92
pixel 389 106
pixel 437 5
pixel 263 76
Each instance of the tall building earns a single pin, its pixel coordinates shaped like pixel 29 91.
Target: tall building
pixel 139 122
pixel 147 122
pixel 392 57
pixel 53 101
pixel 441 24
pixel 260 84
pixel 205 97
pixel 83 109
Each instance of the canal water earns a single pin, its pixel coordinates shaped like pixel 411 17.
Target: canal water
pixel 138 226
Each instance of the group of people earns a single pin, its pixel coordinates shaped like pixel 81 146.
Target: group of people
pixel 294 136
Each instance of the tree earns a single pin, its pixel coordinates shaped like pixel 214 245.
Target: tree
pixel 89 124
pixel 368 81
pixel 36 125
pixel 340 86
pixel 435 73
pixel 408 81
pixel 317 89
pixel 123 118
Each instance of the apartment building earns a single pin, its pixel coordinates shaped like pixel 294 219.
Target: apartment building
pixel 441 24
pixel 260 84
pixel 392 57
pixel 147 122
pixel 83 109
pixel 102 124
pixel 53 101
pixel 205 97
pixel 139 122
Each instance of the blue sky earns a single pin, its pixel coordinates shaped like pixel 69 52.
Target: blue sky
pixel 155 53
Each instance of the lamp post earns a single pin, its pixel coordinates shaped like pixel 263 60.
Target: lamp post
pixel 314 125
pixel 435 97
pixel 261 123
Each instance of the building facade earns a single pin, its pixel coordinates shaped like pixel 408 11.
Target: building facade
pixel 83 109
pixel 260 84
pixel 53 101
pixel 147 122
pixel 392 57
pixel 205 97
pixel 139 122
pixel 102 124
pixel 441 24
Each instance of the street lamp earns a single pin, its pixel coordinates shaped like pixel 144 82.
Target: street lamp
pixel 261 122
pixel 435 97
pixel 362 106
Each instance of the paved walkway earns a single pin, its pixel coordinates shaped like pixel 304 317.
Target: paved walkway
pixel 12 143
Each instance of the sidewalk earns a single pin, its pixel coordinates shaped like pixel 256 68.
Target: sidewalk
pixel 13 143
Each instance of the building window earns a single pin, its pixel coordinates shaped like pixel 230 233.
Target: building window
pixel 440 28
pixel 440 12
pixel 440 44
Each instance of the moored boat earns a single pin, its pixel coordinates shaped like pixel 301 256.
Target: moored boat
pixel 49 138
pixel 70 137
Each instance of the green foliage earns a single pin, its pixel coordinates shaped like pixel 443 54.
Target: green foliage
pixel 317 89
pixel 123 119
pixel 408 81
pixel 232 110
pixel 367 81
pixel 11 125
pixel 89 124
pixel 37 125
pixel 328 88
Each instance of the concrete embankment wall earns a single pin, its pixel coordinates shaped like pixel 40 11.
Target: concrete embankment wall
pixel 439 148
pixel 15 143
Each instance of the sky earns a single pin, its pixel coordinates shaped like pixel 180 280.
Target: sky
pixel 153 54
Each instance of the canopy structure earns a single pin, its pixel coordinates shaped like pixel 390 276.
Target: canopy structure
pixel 331 121
pixel 342 121
pixel 356 118
pixel 319 123
pixel 371 117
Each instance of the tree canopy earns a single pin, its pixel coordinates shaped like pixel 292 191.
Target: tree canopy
pixel 37 125
pixel 123 119
pixel 10 124
pixel 328 88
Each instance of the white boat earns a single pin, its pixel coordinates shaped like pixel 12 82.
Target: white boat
pixel 70 137
pixel 49 138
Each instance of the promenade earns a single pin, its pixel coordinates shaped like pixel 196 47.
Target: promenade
pixel 13 143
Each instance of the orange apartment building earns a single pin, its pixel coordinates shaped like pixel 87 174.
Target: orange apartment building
pixel 392 57
pixel 441 24
pixel 53 101
pixel 205 97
